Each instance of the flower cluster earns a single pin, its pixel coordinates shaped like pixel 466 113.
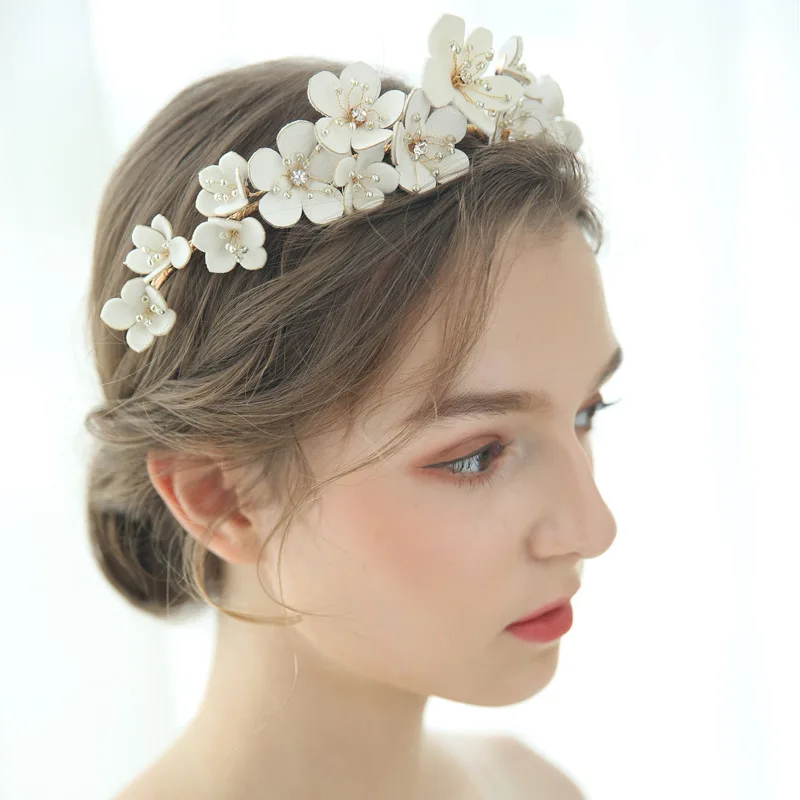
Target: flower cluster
pixel 335 165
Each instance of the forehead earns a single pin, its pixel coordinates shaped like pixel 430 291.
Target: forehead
pixel 548 329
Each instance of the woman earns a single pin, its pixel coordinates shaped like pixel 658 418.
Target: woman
pixel 356 421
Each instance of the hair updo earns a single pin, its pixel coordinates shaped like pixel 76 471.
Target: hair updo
pixel 259 360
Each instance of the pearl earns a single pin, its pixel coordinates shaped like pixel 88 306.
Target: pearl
pixel 369 194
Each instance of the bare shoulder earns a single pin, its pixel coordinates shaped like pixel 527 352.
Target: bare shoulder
pixel 535 771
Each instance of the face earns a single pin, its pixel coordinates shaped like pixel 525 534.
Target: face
pixel 421 568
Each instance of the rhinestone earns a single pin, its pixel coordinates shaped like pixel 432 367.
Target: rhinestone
pixel 420 148
pixel 358 114
pixel 299 177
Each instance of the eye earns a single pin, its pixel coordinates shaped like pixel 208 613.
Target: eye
pixel 491 454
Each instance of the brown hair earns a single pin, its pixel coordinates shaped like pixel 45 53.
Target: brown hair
pixel 259 360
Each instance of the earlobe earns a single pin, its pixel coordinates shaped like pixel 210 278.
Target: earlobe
pixel 196 494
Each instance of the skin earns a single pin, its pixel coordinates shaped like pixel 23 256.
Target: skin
pixel 421 575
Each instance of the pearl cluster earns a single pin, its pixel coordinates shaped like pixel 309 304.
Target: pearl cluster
pixel 224 194
pixel 237 247
pixel 358 177
pixel 153 256
pixel 146 316
pixel 467 75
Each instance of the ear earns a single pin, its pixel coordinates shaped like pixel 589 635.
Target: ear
pixel 197 491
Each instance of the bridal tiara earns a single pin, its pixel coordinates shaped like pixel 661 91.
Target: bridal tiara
pixel 335 165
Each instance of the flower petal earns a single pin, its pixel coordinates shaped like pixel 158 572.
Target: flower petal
pixel 161 324
pixel 210 178
pixel 322 93
pixel 437 82
pixel 570 134
pixel 132 293
pixel 348 198
pixel 389 177
pixel 117 314
pixel 137 261
pixel 322 165
pixel 179 252
pixel 229 164
pixel 481 42
pixel 341 173
pixel 144 236
pixel 370 155
pixel 205 203
pixel 364 138
pixel 321 208
pixel 447 121
pixel 452 166
pixel 206 237
pixel 449 27
pixel 417 104
pixel 161 224
pixel 511 52
pixel 353 95
pixel 389 106
pixel 252 232
pixel 549 93
pixel 138 337
pixel 332 136
pixel 296 137
pixel 279 210
pixel 502 85
pixel 220 260
pixel 477 116
pixel 155 297
pixel 254 258
pixel 361 201
pixel 265 167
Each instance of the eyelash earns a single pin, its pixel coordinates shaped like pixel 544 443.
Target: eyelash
pixel 495 450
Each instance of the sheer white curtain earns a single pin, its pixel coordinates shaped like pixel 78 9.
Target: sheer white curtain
pixel 679 678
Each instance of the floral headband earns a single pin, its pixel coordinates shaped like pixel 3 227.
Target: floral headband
pixel 335 166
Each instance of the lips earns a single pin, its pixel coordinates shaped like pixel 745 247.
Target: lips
pixel 545 609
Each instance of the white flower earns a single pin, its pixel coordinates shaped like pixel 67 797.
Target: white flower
pixel 156 248
pixel 142 311
pixel 540 109
pixel 366 179
pixel 299 177
pixel 357 116
pixel 454 73
pixel 227 242
pixel 423 147
pixel 223 189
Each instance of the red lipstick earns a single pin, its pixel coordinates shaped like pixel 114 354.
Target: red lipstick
pixel 546 624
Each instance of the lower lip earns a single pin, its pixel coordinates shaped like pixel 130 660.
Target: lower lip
pixel 545 628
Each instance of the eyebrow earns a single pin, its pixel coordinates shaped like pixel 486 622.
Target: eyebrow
pixel 468 405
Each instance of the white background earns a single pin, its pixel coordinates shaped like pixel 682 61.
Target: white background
pixel 679 677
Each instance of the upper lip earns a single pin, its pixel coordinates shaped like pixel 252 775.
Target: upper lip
pixel 544 609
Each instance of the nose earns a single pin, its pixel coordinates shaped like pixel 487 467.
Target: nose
pixel 573 517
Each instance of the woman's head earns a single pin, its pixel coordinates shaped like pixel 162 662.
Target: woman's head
pixel 272 412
